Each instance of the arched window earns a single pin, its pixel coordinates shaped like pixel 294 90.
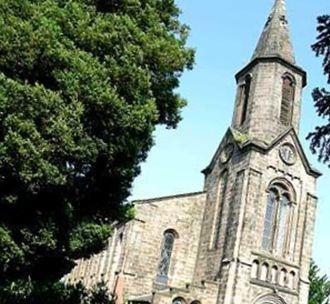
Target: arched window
pixel 277 219
pixel 244 97
pixel 166 253
pixel 179 300
pixel 264 272
pixel 292 280
pixel 269 220
pixel 288 91
pixel 283 278
pixel 274 275
pixel 282 223
pixel 255 269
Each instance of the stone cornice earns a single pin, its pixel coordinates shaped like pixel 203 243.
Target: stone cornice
pixel 280 60
pixel 162 198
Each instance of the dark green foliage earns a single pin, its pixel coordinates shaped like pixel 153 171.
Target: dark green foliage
pixel 25 293
pixel 82 85
pixel 319 286
pixel 320 137
pixel 88 238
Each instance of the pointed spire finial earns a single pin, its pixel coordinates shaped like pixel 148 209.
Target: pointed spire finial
pixel 275 38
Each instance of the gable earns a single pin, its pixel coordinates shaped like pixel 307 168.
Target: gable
pixel 231 136
pixel 291 137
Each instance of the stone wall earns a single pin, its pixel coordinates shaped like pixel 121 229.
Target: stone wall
pixel 183 214
pixel 133 252
pixel 291 277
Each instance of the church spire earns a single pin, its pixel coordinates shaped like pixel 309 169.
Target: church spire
pixel 275 38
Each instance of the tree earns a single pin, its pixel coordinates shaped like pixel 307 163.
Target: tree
pixel 320 137
pixel 57 293
pixel 319 286
pixel 82 85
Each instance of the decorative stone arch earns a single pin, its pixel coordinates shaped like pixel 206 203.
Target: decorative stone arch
pixel 279 217
pixel 179 300
pixel 285 184
pixel 290 76
pixel 173 231
pixel 270 299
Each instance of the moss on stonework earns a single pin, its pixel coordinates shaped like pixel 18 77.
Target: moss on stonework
pixel 240 137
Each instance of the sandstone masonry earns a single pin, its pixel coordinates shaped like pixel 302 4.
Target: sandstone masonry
pixel 247 237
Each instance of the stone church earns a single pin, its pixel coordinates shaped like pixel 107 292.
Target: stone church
pixel 247 237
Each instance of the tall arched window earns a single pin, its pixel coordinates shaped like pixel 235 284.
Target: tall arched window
pixel 264 272
pixel 288 88
pixel 166 253
pixel 277 219
pixel 244 97
pixel 255 269
pixel 269 220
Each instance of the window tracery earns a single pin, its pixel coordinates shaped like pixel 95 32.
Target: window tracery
pixel 277 221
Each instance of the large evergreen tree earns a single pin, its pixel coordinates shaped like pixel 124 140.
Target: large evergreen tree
pixel 320 137
pixel 319 286
pixel 82 85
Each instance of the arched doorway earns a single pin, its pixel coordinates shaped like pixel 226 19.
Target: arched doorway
pixel 270 299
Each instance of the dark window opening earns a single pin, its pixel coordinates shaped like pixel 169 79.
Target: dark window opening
pixel 245 94
pixel 287 100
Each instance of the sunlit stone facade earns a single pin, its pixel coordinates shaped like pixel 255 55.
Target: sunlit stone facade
pixel 247 237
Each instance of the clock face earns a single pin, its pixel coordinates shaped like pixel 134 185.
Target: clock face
pixel 226 153
pixel 288 154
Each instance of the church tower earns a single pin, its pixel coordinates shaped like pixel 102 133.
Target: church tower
pixel 258 221
pixel 247 237
pixel 269 87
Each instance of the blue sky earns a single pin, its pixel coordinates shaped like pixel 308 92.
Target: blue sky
pixel 224 34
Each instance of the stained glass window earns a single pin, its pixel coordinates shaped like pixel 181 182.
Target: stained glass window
pixel 277 220
pixel 269 221
pixel 282 224
pixel 166 253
